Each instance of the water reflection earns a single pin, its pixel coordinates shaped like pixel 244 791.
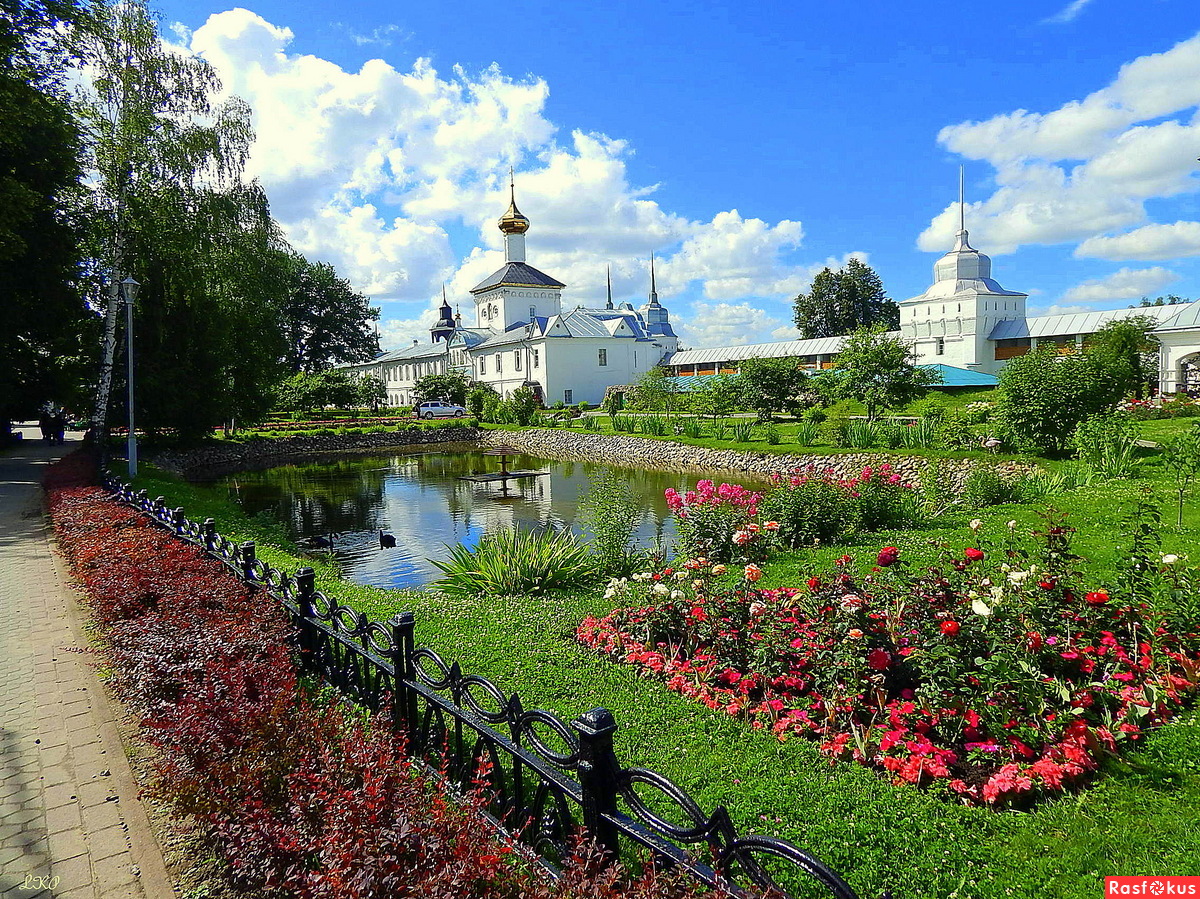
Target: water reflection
pixel 423 501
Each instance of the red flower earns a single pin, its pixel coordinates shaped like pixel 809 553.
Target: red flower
pixel 888 556
pixel 879 660
pixel 1048 584
pixel 973 554
pixel 951 628
pixel 1097 598
pixel 1033 641
pixel 814 583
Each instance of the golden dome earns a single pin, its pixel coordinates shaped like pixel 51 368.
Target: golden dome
pixel 512 222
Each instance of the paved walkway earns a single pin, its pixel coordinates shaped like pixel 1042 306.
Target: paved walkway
pixel 71 825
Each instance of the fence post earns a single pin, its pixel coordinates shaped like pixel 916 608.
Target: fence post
pixel 598 772
pixel 210 535
pixel 159 509
pixel 306 586
pixel 177 520
pixel 248 551
pixel 404 698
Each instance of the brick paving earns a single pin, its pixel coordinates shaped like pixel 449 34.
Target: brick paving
pixel 71 823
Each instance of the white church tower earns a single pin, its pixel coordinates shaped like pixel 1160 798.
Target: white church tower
pixel 950 322
pixel 517 293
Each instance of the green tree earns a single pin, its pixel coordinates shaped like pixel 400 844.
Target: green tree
pixel 1043 396
pixel 655 391
pixel 842 301
pixel 167 205
pixel 46 330
pixel 324 320
pixel 767 386
pixel 371 392
pixel 1181 457
pixel 879 371
pixel 1127 347
pixel 451 387
pixel 480 398
pixel 717 396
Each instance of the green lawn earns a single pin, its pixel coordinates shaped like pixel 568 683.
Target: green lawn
pixel 1139 819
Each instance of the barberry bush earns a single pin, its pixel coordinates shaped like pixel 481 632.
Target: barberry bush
pixel 303 797
pixel 996 676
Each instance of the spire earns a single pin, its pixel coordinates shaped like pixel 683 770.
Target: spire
pixel 608 277
pixel 961 242
pixel 653 288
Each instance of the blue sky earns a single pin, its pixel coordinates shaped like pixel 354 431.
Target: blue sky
pixel 747 145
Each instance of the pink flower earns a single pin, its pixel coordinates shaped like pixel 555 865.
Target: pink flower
pixel 973 554
pixel 889 555
pixel 752 573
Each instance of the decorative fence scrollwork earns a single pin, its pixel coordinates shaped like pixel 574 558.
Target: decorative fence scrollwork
pixel 548 777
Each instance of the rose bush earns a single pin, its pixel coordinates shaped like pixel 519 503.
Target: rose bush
pixel 996 676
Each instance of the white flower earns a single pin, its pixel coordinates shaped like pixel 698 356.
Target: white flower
pixel 979 607
pixel 1170 559
pixel 676 594
pixel 998 593
pixel 682 575
pixel 1018 577
pixel 975 524
pixel 1012 524
pixel 662 589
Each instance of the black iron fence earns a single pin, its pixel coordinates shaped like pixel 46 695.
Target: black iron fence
pixel 548 778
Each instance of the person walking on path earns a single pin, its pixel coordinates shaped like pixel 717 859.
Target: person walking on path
pixel 71 823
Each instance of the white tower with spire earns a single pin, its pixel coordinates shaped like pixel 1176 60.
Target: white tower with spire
pixel 950 322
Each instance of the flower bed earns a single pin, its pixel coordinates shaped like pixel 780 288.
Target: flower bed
pixel 302 796
pixel 996 676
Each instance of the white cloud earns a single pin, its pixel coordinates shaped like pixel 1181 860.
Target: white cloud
pixel 397 333
pixel 373 170
pixel 1148 243
pixel 1069 12
pixel 1087 168
pixel 727 324
pixel 381 36
pixel 1059 309
pixel 1126 284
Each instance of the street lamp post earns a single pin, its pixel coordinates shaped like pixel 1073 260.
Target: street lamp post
pixel 129 291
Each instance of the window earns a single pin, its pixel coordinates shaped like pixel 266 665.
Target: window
pixel 535 359
pixel 499 365
pixel 483 365
pixel 940 347
pixel 516 360
pixel 532 313
pixel 567 398
pixel 604 357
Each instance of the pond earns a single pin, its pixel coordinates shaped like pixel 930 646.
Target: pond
pixel 423 501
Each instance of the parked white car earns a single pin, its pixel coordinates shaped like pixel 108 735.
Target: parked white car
pixel 438 409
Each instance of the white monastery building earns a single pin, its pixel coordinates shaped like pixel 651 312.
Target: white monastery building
pixel 522 337
pixel 965 323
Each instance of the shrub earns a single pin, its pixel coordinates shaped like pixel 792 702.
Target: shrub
pixel 995 676
pixel 624 423
pixel 918 434
pixel 719 426
pixel 833 430
pixel 718 522
pixel 1043 397
pixel 809 507
pixel 954 432
pixel 511 562
pixel 693 428
pixel 743 430
pixel 984 487
pixel 590 423
pixel 771 435
pixel 1106 443
pixel 860 434
pixel 654 425
pixel 608 513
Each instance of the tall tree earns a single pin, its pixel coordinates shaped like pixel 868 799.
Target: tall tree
pixel 771 385
pixel 324 320
pixel 842 301
pixel 169 207
pixel 44 321
pixel 1127 347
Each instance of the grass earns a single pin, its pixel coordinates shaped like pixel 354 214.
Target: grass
pixel 1139 819
pixel 1164 429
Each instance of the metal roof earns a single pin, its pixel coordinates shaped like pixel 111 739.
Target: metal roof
pixel 1074 322
pixel 1186 316
pixel 817 346
pixel 952 376
pixel 517 274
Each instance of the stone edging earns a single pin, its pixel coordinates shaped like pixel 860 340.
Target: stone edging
pixel 617 449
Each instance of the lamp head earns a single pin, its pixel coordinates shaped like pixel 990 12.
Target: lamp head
pixel 129 289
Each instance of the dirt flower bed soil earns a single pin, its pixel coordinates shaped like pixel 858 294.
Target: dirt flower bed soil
pixel 996 676
pixel 303 796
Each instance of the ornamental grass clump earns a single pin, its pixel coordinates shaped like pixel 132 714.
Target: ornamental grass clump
pixel 516 563
pixel 997 676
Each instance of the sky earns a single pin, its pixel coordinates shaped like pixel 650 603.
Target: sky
pixel 747 145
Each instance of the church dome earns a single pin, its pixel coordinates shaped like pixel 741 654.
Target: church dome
pixel 513 222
